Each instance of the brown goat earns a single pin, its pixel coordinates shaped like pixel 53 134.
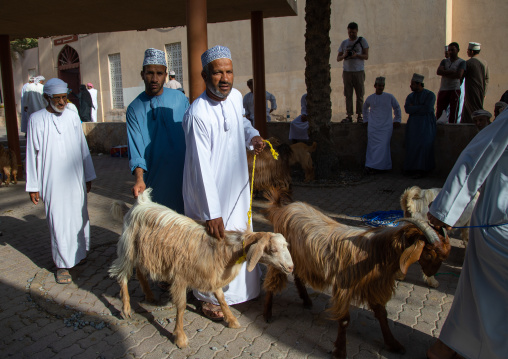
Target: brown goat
pixel 8 165
pixel 301 153
pixel 174 248
pixel 270 172
pixel 358 264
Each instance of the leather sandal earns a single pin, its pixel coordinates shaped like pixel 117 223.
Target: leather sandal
pixel 212 311
pixel 63 276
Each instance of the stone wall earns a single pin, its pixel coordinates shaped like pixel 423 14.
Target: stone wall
pixel 351 140
pixel 101 136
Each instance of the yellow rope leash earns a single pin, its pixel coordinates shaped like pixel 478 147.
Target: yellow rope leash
pixel 249 213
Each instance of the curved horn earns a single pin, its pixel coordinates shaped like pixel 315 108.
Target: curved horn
pixel 428 231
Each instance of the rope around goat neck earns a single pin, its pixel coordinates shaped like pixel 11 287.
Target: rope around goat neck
pixel 249 213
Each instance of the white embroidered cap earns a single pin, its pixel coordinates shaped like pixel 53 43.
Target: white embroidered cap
pixel 216 52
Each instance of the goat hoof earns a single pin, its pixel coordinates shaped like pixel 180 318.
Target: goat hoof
pixel 268 317
pixel 339 354
pixel 150 299
pixel 432 282
pixel 126 315
pixel 182 342
pixel 234 324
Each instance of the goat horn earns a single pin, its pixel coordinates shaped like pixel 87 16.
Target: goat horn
pixel 427 230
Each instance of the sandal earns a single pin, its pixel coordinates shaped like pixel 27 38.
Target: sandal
pixel 63 276
pixel 212 311
pixel 347 120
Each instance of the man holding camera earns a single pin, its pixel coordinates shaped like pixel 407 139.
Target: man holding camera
pixel 354 51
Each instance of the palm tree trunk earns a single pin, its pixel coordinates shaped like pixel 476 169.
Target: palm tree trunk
pixel 317 79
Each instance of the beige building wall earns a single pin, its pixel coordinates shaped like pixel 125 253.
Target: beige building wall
pixel 404 36
pixel 484 21
pixel 22 67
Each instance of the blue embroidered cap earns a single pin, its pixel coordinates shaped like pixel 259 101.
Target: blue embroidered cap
pixel 154 57
pixel 216 52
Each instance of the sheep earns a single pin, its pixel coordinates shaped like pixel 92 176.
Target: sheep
pixel 415 203
pixel 173 248
pixel 358 264
pixel 301 153
pixel 269 171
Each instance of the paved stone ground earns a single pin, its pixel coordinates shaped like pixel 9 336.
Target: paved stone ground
pixel 42 319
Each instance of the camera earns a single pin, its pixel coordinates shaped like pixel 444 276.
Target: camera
pixel 349 53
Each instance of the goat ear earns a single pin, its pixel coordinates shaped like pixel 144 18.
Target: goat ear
pixel 256 250
pixel 410 255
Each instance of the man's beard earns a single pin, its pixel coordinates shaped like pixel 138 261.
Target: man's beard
pixel 56 108
pixel 215 91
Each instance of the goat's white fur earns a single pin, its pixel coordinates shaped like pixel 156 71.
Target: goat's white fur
pixel 415 203
pixel 174 248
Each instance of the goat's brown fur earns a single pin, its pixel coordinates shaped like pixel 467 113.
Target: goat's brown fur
pixel 8 165
pixel 301 153
pixel 358 264
pixel 270 172
pixel 170 247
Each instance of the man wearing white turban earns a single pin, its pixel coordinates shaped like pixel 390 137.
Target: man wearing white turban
pixel 32 100
pixel 59 171
pixel 476 82
pixel 216 179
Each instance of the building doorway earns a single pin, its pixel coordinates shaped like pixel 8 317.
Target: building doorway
pixel 68 71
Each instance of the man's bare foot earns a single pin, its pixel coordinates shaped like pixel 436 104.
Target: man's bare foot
pixel 440 350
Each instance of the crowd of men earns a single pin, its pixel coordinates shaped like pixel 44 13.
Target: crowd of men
pixel 193 157
pixel 460 100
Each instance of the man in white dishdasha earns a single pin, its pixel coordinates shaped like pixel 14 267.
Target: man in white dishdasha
pixel 216 179
pixel 377 110
pixel 59 171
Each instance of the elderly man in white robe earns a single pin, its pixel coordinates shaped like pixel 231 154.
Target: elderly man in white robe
pixel 59 171
pixel 476 325
pixel 216 179
pixel 377 111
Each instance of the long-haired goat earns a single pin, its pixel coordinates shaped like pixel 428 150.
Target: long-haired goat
pixel 301 153
pixel 171 247
pixel 270 172
pixel 358 264
pixel 415 203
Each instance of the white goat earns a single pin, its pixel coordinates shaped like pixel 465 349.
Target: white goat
pixel 171 247
pixel 358 264
pixel 415 203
